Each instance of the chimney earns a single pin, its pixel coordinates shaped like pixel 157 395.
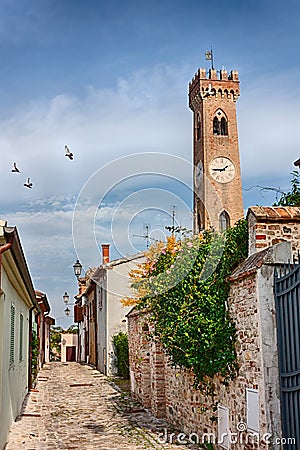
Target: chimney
pixel 105 253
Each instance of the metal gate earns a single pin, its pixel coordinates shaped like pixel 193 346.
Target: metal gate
pixel 287 297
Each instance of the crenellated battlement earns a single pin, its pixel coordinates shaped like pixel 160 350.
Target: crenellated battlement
pixel 219 83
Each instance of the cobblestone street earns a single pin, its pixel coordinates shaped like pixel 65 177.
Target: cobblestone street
pixel 75 407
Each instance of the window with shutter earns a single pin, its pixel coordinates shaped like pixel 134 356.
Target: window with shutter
pixel 12 334
pixel 21 338
pixel 252 410
pixel 223 427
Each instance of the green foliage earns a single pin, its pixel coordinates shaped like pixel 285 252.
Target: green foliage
pixel 291 198
pixel 191 318
pixel 120 342
pixel 73 329
pixel 34 355
pixel 55 339
pixel 207 446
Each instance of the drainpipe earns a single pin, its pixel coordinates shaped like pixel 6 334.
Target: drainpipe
pixel 3 249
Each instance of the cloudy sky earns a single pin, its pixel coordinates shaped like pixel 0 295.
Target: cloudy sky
pixel 110 80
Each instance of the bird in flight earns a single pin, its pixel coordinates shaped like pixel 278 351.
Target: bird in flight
pixel 15 169
pixel 68 153
pixel 28 183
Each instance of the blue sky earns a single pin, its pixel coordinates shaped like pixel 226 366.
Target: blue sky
pixel 110 79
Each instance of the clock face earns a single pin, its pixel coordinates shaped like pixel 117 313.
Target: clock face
pixel 198 174
pixel 222 169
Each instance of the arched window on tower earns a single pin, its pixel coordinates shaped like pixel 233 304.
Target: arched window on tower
pixel 216 126
pixel 220 125
pixel 224 129
pixel 224 221
pixel 199 222
pixel 198 128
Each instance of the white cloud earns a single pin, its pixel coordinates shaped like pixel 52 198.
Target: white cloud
pixel 145 112
pixel 268 123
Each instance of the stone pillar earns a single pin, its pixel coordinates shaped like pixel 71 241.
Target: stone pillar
pixel 158 397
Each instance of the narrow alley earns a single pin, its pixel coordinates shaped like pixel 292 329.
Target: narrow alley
pixel 75 407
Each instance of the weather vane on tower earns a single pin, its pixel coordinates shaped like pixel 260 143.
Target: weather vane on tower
pixel 210 57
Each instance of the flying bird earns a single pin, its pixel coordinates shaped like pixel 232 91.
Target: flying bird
pixel 28 183
pixel 68 153
pixel 15 169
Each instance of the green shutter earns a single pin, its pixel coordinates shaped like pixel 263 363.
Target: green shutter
pixel 12 334
pixel 21 338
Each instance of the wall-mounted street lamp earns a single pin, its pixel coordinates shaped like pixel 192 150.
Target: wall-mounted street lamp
pixel 77 269
pixel 66 298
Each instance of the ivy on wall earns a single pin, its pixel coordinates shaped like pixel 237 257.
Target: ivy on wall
pixel 183 285
pixel 120 342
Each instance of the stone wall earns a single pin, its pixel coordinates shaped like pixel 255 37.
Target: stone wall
pixel 269 226
pixel 252 308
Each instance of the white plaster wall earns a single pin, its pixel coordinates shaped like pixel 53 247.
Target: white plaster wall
pixel 101 324
pixel 270 389
pixel 68 340
pixel 14 378
pixel 82 331
pixel 117 288
pixel 47 342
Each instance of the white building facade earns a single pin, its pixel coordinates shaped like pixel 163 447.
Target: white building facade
pixel 17 301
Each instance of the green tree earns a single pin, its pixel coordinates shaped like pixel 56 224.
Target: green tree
pixel 34 356
pixel 72 329
pixel 191 318
pixel 120 342
pixel 292 197
pixel 55 339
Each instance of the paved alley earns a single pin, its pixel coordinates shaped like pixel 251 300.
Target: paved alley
pixel 75 407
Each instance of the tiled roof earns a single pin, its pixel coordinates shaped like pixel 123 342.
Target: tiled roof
pixel 275 212
pixel 125 259
pixel 250 265
pixel 115 262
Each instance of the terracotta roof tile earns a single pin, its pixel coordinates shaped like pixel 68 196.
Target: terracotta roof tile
pixel 250 265
pixel 275 212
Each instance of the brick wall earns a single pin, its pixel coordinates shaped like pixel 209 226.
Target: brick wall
pixel 269 226
pixel 169 390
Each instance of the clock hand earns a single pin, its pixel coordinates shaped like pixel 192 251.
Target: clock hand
pixel 224 168
pixel 221 170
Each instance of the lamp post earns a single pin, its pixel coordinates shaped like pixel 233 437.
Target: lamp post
pixel 66 298
pixel 77 269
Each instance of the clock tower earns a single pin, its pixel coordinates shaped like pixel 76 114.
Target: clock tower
pixel 217 178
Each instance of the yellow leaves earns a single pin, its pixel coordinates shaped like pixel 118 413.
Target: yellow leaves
pixel 172 245
pixel 129 301
pixel 142 272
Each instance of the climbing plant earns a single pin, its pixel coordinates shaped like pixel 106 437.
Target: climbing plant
pixel 34 344
pixel 292 197
pixel 120 342
pixel 190 312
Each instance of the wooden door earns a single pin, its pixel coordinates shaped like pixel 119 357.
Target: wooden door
pixel 71 353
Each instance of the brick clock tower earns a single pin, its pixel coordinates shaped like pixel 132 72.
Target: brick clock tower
pixel 217 178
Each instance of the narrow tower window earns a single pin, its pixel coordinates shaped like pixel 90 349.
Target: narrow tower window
pixel 216 127
pixel 198 128
pixel 224 221
pixel 224 131
pixel 220 126
pixel 199 222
